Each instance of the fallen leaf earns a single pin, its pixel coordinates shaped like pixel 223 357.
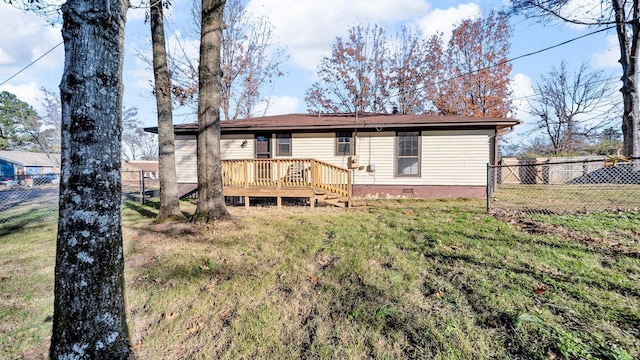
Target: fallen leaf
pixel 540 290
pixel 169 316
pixel 137 345
pixel 194 328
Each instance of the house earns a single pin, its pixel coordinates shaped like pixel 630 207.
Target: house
pixel 363 155
pixel 19 164
pixel 148 168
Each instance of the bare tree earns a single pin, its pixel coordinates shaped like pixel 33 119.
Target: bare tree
pixel 169 204
pixel 416 65
pixel 136 143
pixel 211 205
pixel 250 62
pixel 619 14
pixel 353 78
pixel 89 318
pixel 50 122
pixel 571 107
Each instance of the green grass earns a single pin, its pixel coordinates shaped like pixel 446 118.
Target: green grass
pixel 27 255
pixel 566 198
pixel 396 279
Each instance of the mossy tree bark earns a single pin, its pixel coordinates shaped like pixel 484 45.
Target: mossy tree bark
pixel 89 319
pixel 211 204
pixel 169 205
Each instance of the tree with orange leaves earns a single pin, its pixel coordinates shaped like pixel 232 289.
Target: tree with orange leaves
pixel 353 78
pixel 477 69
pixel 414 75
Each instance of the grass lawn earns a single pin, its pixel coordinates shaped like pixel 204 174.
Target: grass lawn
pixel 395 279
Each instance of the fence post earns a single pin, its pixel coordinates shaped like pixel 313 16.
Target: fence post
pixel 489 185
pixel 142 191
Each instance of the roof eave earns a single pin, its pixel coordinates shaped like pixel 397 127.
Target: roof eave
pixel 250 129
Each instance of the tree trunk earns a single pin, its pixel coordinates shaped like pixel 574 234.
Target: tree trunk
pixel 629 61
pixel 211 204
pixel 89 319
pixel 169 205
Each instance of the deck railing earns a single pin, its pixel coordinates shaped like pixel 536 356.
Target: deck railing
pixel 282 173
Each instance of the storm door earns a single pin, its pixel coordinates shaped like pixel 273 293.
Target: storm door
pixel 263 153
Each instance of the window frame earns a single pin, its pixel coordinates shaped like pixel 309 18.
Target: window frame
pixel 397 157
pixel 349 135
pixel 287 136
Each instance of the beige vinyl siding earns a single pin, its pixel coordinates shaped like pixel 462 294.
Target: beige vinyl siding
pixel 317 146
pixel 456 157
pixel 231 147
pixel 376 148
pixel 186 162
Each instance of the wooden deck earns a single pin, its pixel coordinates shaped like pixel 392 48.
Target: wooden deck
pixel 286 178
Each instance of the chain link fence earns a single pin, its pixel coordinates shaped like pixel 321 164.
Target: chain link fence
pixel 33 198
pixel 555 186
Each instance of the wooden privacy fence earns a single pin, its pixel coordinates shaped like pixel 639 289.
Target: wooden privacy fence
pixel 286 173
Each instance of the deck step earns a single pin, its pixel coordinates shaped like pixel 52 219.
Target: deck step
pixel 336 202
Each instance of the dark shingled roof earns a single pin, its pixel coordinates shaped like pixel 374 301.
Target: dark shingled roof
pixel 331 122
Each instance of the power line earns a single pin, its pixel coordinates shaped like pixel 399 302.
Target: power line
pixel 513 59
pixel 33 62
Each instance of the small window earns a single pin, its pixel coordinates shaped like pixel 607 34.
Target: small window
pixel 344 143
pixel 284 144
pixel 408 153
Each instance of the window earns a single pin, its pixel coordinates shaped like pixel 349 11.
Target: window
pixel 344 141
pixel 284 144
pixel 408 153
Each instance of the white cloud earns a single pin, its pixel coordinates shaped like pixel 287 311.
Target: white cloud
pixel 136 14
pixel 30 36
pixel 5 58
pixel 277 105
pixel 522 88
pixel 608 57
pixel 444 20
pixel 179 46
pixel 586 11
pixel 26 38
pixel 29 93
pixel 309 28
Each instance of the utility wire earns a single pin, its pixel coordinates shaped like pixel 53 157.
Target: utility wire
pixel 513 59
pixel 431 84
pixel 33 62
pixel 525 55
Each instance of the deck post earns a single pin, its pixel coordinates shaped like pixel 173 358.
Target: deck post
pixel 246 202
pixel 312 202
pixel 279 201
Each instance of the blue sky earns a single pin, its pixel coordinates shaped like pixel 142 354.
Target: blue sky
pixel 307 29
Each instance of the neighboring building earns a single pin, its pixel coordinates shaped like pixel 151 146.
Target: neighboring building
pixel 388 155
pixel 149 168
pixel 19 164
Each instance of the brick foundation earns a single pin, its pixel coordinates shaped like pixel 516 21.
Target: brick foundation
pixel 419 191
